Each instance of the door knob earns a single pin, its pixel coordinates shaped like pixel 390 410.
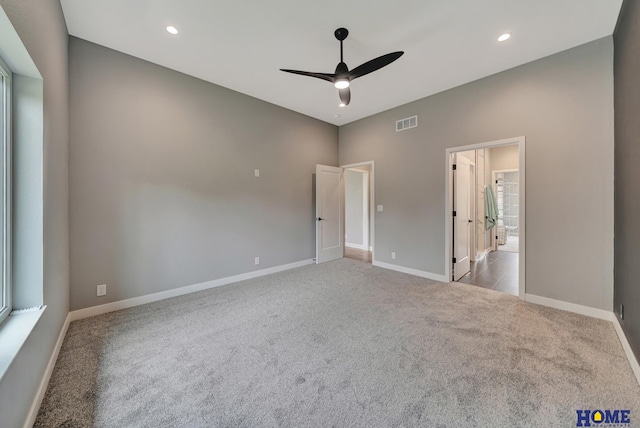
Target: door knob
pixel 320 219
pixel 470 221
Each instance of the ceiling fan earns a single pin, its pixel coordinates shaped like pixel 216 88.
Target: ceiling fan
pixel 342 76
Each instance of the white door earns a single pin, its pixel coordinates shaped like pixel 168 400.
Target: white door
pixel 329 214
pixel 462 217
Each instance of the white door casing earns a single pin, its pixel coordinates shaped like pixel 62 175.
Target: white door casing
pixel 365 210
pixel 371 198
pixel 448 251
pixel 461 219
pixel 329 213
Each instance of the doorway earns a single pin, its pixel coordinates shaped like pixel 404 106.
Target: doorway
pixel 357 232
pixel 358 185
pixel 332 240
pixel 485 192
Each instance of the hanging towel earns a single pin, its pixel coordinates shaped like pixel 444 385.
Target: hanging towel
pixel 490 209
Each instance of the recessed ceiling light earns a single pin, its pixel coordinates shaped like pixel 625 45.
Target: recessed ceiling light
pixel 504 37
pixel 342 105
pixel 171 29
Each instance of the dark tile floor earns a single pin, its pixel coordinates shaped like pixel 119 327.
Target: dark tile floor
pixel 498 271
pixel 354 253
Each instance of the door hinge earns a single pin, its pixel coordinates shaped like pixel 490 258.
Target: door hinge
pixel 454 213
pixel 454 259
pixel 454 166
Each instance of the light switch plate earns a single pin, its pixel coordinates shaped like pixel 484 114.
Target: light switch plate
pixel 257 172
pixel 380 208
pixel 101 290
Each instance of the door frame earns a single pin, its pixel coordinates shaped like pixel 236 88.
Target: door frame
pixel 371 197
pixel 365 210
pixel 520 142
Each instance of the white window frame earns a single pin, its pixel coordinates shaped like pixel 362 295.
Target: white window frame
pixel 5 192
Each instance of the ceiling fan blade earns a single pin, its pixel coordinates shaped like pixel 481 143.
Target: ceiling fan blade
pixel 374 64
pixel 324 76
pixel 345 95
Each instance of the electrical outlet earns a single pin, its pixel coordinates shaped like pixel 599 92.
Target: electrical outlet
pixel 380 208
pixel 101 290
pixel 393 255
pixel 257 172
pixel 257 260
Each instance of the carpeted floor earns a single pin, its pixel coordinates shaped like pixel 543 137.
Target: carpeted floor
pixel 342 344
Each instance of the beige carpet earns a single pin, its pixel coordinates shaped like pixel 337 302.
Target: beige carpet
pixel 342 344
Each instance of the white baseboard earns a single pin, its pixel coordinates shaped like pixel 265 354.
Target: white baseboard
pixel 410 271
pixel 357 246
pixel 154 297
pixel 570 307
pixel 44 383
pixel 633 361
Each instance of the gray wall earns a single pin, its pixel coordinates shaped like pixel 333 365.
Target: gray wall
pixel 42 29
pixel 162 186
pixel 354 210
pixel 627 159
pixel 563 105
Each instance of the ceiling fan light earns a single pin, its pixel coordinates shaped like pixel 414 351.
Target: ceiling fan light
pixel 342 105
pixel 341 84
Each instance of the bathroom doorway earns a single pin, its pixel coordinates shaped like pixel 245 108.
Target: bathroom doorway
pixel 490 226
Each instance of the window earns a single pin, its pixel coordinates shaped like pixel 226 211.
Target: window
pixel 5 190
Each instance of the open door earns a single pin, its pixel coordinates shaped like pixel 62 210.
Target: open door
pixel 329 214
pixel 461 217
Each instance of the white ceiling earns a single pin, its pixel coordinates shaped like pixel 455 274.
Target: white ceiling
pixel 242 45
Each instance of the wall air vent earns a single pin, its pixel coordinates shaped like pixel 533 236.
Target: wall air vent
pixel 409 122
